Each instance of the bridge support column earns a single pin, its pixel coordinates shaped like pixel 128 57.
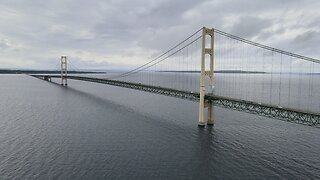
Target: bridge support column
pixel 202 122
pixel 64 71
pixel 204 73
pixel 210 115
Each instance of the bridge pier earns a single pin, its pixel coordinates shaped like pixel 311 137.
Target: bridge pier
pixel 202 122
pixel 210 121
pixel 210 115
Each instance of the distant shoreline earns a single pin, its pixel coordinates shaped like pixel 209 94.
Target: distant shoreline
pixel 240 72
pixel 10 71
pixel 220 71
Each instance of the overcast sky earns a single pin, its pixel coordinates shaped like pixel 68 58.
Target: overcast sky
pixel 126 33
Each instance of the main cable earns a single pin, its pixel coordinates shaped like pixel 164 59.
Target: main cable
pixel 155 59
pixel 266 47
pixel 170 55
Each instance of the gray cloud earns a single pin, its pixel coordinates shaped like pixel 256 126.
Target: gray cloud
pixel 4 44
pixel 308 37
pixel 308 42
pixel 248 26
pixel 125 33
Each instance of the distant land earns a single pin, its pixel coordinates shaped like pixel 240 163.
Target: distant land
pixel 16 71
pixel 244 72
pixel 220 71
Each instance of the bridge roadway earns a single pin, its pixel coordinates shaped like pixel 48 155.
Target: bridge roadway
pixel 271 111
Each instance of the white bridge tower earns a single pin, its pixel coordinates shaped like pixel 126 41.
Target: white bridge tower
pixel 204 73
pixel 64 71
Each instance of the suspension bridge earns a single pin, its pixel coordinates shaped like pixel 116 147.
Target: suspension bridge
pixel 216 68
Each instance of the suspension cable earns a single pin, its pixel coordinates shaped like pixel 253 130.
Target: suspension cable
pixel 266 47
pixel 155 63
pixel 158 57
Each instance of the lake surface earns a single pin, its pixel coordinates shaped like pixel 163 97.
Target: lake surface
pixel 95 131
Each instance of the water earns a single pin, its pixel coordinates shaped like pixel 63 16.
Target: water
pixel 95 131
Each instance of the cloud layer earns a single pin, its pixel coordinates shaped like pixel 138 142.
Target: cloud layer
pixel 126 33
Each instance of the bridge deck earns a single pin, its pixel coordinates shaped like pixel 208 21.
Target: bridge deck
pixel 282 113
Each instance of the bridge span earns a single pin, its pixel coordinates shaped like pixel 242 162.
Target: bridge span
pixel 271 111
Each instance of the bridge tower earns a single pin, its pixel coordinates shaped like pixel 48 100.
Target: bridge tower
pixel 64 71
pixel 204 73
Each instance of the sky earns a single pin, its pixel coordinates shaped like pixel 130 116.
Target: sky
pixel 120 34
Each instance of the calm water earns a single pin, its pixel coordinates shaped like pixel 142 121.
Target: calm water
pixel 94 131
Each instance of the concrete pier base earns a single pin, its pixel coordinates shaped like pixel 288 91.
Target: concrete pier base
pixel 210 121
pixel 201 124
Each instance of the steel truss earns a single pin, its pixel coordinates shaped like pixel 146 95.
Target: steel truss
pixel 286 114
pixel 266 110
